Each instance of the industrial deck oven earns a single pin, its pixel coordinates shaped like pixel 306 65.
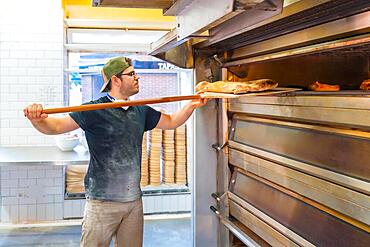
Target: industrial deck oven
pixel 291 169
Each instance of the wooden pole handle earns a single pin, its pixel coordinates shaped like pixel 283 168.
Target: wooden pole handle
pixel 120 104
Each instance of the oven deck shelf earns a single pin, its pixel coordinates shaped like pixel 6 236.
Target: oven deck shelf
pixel 342 93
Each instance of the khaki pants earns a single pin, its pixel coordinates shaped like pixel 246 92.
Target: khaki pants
pixel 105 219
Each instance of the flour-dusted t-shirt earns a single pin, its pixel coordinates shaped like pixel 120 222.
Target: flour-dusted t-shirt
pixel 114 137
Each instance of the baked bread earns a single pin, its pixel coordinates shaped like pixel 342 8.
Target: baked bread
pixel 235 87
pixel 321 87
pixel 365 85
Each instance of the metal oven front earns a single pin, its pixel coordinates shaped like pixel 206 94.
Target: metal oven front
pixel 290 169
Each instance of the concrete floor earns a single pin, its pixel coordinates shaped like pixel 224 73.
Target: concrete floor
pixel 157 233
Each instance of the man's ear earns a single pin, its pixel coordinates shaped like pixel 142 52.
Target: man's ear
pixel 116 81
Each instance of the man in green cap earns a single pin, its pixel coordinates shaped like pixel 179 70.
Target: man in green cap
pixel 114 136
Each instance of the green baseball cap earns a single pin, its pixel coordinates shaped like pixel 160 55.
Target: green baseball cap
pixel 113 67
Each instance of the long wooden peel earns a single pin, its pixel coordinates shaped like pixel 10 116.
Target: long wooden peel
pixel 118 104
pixel 207 95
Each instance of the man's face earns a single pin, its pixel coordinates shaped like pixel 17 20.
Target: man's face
pixel 130 82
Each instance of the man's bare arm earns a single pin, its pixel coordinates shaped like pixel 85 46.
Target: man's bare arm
pixel 178 118
pixel 49 125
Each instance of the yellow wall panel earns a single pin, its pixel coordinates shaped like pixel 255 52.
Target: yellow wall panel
pixel 82 9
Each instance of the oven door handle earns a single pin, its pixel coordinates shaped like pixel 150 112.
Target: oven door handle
pixel 235 229
pixel 219 147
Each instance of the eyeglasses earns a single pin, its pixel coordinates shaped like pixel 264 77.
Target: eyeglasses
pixel 132 73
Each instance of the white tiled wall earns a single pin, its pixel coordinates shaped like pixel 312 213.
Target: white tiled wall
pixel 31 193
pixel 36 193
pixel 31 66
pixel 166 203
pixel 73 208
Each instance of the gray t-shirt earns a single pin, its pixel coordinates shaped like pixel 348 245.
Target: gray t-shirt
pixel 114 137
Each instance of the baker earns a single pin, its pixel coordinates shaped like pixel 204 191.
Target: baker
pixel 114 136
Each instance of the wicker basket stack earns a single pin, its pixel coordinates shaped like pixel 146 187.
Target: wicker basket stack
pixel 144 181
pixel 155 146
pixel 168 156
pixel 180 154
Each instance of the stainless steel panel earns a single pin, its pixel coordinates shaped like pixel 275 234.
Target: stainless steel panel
pixel 295 17
pixel 346 181
pixel 262 229
pixel 351 203
pixel 310 222
pixel 177 7
pixel 236 27
pixel 357 24
pixel 223 172
pixel 320 148
pixel 242 23
pixel 320 128
pixel 189 23
pixel 270 221
pixel 216 12
pixel 347 46
pixel 176 52
pixel 181 55
pixel 165 43
pixel 240 231
pixel 205 224
pixel 325 115
pixel 221 146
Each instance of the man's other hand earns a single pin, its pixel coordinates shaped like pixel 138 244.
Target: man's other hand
pixel 34 112
pixel 199 102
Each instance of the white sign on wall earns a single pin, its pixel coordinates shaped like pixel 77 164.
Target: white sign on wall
pixel 166 66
